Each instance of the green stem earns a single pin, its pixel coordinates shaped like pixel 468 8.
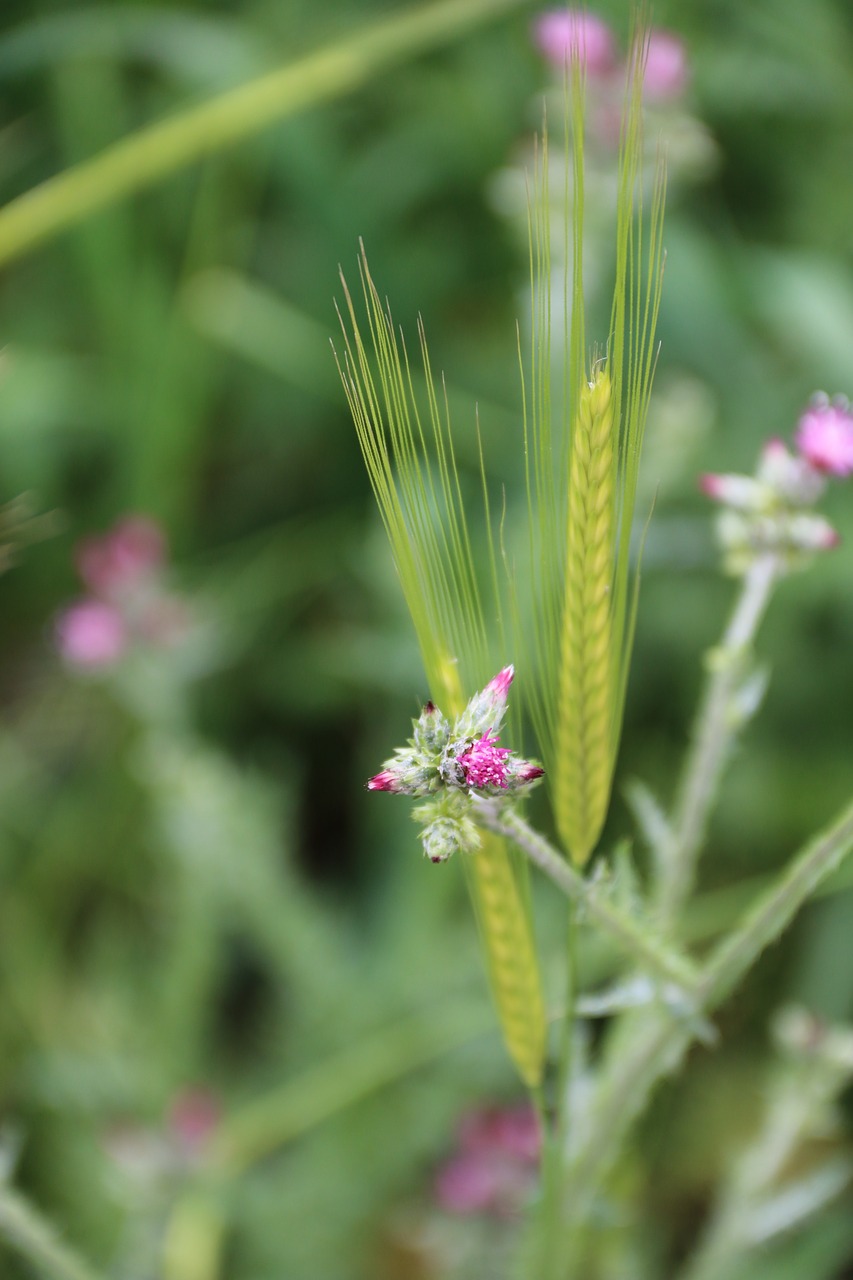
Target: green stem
pixel 160 149
pixel 656 1043
pixel 25 1230
pixel 646 949
pixel 549 1228
pixel 715 731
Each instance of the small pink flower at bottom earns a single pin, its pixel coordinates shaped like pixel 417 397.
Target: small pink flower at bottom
pixel 566 35
pixel 667 70
pixel 483 764
pixel 91 634
pixel 825 436
pixel 493 1169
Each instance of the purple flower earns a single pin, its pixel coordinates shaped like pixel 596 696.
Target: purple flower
pixel 667 71
pixel 483 764
pixel 91 634
pixel 567 35
pixel 825 436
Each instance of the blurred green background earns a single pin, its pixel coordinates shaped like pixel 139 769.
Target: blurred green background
pixel 195 891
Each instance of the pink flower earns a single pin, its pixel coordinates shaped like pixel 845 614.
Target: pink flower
pixel 513 1131
pixel 493 1168
pixel 667 71
pixel 825 436
pixel 567 35
pixel 483 763
pixel 91 634
pixel 135 548
pixel 469 1184
pixel 194 1116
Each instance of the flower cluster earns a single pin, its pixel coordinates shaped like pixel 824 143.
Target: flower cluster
pixel 768 513
pixel 567 35
pixel 449 763
pixel 125 601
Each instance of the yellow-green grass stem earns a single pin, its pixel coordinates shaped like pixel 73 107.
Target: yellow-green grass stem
pixel 160 149
pixel 583 755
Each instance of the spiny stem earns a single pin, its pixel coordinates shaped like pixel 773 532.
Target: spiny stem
pixel 648 952
pixel 715 731
pixel 25 1230
pixel 658 1042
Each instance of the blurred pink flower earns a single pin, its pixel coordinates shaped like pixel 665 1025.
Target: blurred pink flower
pixel 194 1117
pixel 564 35
pixel 484 763
pixel 825 436
pixel 493 1169
pixel 91 634
pixel 667 70
pixel 109 564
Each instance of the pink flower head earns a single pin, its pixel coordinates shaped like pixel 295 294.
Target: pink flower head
pixel 825 436
pixel 568 35
pixel 666 70
pixel 194 1116
pixel 135 548
pixel 483 763
pixel 492 1170
pixel 510 1131
pixel 383 781
pixel 91 634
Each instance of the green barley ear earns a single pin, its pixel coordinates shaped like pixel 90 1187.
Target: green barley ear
pixel 582 468
pixel 403 429
pixel 586 694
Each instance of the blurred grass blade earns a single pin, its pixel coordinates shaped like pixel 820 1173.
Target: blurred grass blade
pixel 160 149
pixel 32 1236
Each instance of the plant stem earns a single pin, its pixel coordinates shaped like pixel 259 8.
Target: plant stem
pixel 714 733
pixel 154 152
pixel 25 1230
pixel 655 1044
pixel 644 947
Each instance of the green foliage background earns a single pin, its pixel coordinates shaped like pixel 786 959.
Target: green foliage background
pixel 194 888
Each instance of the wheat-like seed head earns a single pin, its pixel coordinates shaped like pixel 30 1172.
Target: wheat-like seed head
pixel 583 759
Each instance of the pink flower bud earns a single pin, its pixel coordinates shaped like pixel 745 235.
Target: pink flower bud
pixel 666 71
pixel 91 634
pixel 529 772
pixel 567 35
pixel 741 492
pixel 384 781
pixel 499 685
pixel 825 436
pixel 133 549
